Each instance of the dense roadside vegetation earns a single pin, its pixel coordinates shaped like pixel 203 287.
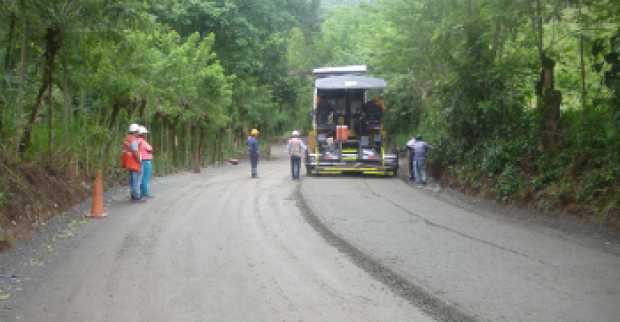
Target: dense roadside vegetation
pixel 521 99
pixel 75 73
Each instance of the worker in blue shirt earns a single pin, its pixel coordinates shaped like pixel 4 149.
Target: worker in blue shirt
pixel 253 151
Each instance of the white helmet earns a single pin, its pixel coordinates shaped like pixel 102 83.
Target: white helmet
pixel 142 130
pixel 295 133
pixel 133 128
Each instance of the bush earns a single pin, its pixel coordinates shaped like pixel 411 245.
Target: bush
pixel 509 182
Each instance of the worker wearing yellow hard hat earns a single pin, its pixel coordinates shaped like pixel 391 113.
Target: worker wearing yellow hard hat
pixel 253 152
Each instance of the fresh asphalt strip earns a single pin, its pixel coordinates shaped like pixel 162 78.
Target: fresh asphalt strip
pixel 419 297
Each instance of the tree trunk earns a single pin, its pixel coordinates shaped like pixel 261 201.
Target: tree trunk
pixel 213 149
pixel 8 69
pixel 220 152
pixel 548 98
pixel 550 107
pixel 195 147
pixel 67 100
pixel 539 30
pixel 3 108
pixel 116 107
pixel 80 109
pixel 537 23
pixel 582 64
pixel 52 45
pixel 8 54
pixel 201 135
pixel 187 145
pixel 108 145
pixel 175 142
pixel 25 141
pixel 132 107
pixel 216 147
pixel 50 118
pixel 496 38
pixel 162 142
pixel 19 102
pixel 141 109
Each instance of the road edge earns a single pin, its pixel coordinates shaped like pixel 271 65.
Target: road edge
pixel 414 294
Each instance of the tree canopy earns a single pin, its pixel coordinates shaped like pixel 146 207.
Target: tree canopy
pixel 75 73
pixel 520 98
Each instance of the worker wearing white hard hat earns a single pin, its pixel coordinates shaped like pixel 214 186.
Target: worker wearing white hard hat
pixel 296 148
pixel 133 128
pixel 146 152
pixel 410 144
pixel 132 161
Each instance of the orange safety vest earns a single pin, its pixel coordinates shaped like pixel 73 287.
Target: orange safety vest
pixel 128 158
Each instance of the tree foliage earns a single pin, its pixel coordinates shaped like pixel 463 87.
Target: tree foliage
pixel 520 98
pixel 198 73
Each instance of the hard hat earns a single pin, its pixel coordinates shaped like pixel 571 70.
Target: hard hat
pixel 142 130
pixel 295 133
pixel 133 128
pixel 254 132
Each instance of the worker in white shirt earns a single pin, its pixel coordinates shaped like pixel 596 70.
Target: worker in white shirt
pixel 410 145
pixel 296 149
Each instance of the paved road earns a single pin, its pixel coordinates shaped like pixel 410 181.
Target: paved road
pixel 488 268
pixel 217 246
pixel 220 246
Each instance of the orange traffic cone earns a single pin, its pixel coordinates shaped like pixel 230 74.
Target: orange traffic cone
pixel 97 210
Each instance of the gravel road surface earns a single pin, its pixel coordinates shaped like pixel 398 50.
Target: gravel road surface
pixel 216 246
pixel 219 246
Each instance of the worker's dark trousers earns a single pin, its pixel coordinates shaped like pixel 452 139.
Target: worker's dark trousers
pixel 254 164
pixel 295 166
pixel 420 171
pixel 411 169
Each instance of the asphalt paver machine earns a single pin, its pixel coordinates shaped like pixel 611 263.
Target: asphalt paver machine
pixel 347 134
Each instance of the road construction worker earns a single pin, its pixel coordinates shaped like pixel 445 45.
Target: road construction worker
pixel 420 149
pixel 296 149
pixel 146 152
pixel 253 152
pixel 132 161
pixel 410 144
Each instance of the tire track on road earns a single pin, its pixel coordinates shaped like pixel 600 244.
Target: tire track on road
pixel 414 294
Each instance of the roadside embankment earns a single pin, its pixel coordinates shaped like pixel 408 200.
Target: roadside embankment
pixel 31 193
pixel 542 205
